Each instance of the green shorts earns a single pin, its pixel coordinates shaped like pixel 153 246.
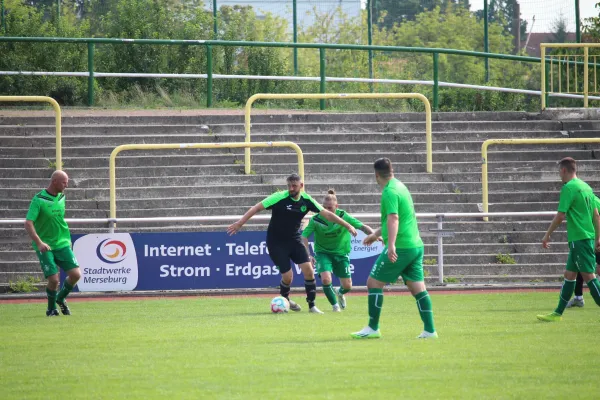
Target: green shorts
pixel 51 260
pixel 339 265
pixel 582 256
pixel 409 266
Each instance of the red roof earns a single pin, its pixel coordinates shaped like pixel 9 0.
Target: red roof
pixel 536 38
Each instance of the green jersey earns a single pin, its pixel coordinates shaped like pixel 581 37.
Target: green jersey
pixel 396 199
pixel 578 202
pixel 48 215
pixel 330 237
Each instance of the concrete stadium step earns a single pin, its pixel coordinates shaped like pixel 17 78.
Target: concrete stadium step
pixel 482 248
pixel 498 270
pixel 199 207
pixel 546 167
pixel 79 177
pixel 524 157
pixel 282 127
pixel 71 213
pixel 253 184
pixel 520 258
pixel 167 117
pixel 307 148
pixel 529 280
pixel 470 232
pixel 84 138
pixel 232 194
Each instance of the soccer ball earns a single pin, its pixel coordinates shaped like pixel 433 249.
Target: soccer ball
pixel 280 304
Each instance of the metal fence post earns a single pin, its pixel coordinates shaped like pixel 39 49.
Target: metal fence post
pixel 440 246
pixel 436 84
pixel 370 40
pixel 543 98
pixel 215 23
pixel 322 70
pixel 577 22
pixel 58 16
pixel 90 47
pixel 585 76
pixel 209 76
pixel 295 33
pixel 486 41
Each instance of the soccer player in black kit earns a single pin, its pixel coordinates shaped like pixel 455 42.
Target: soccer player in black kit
pixel 284 239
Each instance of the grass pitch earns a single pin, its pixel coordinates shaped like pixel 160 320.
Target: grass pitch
pixel 491 347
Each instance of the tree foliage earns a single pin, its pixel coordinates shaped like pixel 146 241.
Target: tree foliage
pixel 388 13
pixel 502 12
pixel 591 27
pixel 448 24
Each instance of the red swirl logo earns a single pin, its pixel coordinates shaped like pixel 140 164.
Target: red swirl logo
pixel 111 251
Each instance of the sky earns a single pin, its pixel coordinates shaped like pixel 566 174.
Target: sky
pixel 546 12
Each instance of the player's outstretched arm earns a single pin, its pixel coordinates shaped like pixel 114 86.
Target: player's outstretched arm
pixel 43 247
pixel 235 227
pixel 331 217
pixel 373 237
pixel 558 219
pixel 366 229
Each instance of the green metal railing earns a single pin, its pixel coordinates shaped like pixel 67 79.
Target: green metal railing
pixel 209 44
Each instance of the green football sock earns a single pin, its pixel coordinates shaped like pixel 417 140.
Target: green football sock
pixel 51 299
pixel 375 304
pixel 425 310
pixel 328 290
pixel 565 295
pixel 594 286
pixel 64 292
pixel 344 291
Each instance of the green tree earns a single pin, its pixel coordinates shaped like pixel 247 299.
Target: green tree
pixel 501 12
pixel 390 12
pixel 25 20
pixel 591 28
pixel 559 30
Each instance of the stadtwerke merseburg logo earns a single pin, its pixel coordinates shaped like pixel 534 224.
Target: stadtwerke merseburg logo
pixel 111 251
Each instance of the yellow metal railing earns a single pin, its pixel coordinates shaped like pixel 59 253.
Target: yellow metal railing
pixel 178 146
pixel 296 96
pixel 561 64
pixel 44 99
pixel 489 142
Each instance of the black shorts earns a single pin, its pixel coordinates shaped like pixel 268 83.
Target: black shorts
pixel 282 251
pixel 598 258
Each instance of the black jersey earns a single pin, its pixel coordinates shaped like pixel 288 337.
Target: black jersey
pixel 287 214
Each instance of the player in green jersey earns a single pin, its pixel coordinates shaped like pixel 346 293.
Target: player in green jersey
pixel 578 301
pixel 283 235
pixel 578 206
pixel 45 223
pixel 332 249
pixel 402 256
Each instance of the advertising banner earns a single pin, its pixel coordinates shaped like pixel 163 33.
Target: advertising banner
pixel 194 260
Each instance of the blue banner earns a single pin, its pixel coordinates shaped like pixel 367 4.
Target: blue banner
pixel 198 260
